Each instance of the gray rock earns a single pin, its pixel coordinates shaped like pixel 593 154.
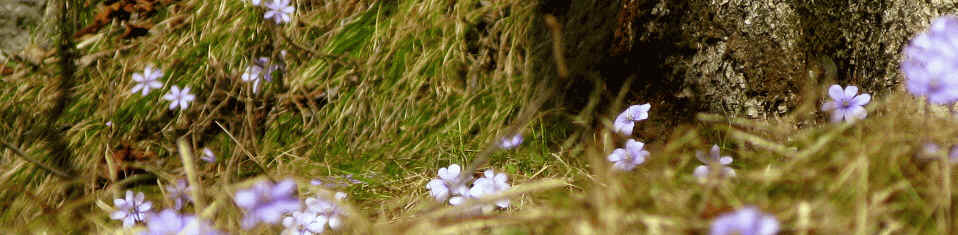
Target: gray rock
pixel 18 18
pixel 748 58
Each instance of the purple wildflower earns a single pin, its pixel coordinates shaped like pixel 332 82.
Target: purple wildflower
pixel 953 154
pixel 745 221
pixel 713 160
pixel 179 193
pixel 147 80
pixel 846 104
pixel 625 122
pixel 327 211
pixel 304 223
pixel 266 202
pixel 931 62
pixel 510 142
pixel 132 209
pixel 448 184
pixel 255 72
pixel 489 185
pixel 279 10
pixel 181 98
pixel 168 222
pixel 626 159
pixel 208 156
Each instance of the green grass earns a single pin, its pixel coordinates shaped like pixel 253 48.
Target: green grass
pixel 390 91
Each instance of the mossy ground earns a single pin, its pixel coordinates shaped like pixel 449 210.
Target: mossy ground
pixel 390 91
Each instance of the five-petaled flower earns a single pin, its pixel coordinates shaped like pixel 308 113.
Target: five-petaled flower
pixel 714 159
pixel 131 209
pixel 179 192
pixel 147 80
pixel 489 185
pixel 846 104
pixel 266 202
pixel 625 122
pixel 510 142
pixel 279 11
pixel 931 62
pixel 745 221
pixel 632 155
pixel 448 184
pixel 181 98
pixel 168 222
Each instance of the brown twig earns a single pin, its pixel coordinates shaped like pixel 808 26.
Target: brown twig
pixel 556 30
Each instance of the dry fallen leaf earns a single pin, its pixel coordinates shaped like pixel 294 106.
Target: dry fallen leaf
pixel 120 10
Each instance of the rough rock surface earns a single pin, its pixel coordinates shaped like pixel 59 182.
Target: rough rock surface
pixel 746 58
pixel 17 19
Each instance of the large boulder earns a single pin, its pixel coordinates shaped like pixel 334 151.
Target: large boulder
pixel 746 58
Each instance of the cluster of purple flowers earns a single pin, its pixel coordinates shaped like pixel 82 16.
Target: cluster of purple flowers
pixel 930 67
pixel 266 202
pixel 134 209
pixel 263 202
pixel 747 221
pixel 168 222
pixel 931 62
pixel 452 186
pixel 634 153
pixel 149 80
pixel 261 70
pixel 270 203
pixel 318 215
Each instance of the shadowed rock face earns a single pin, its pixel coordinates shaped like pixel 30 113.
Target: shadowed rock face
pixel 748 58
pixel 17 18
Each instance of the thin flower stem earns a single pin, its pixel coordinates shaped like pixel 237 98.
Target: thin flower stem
pixel 248 154
pixel 189 164
pixel 23 155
